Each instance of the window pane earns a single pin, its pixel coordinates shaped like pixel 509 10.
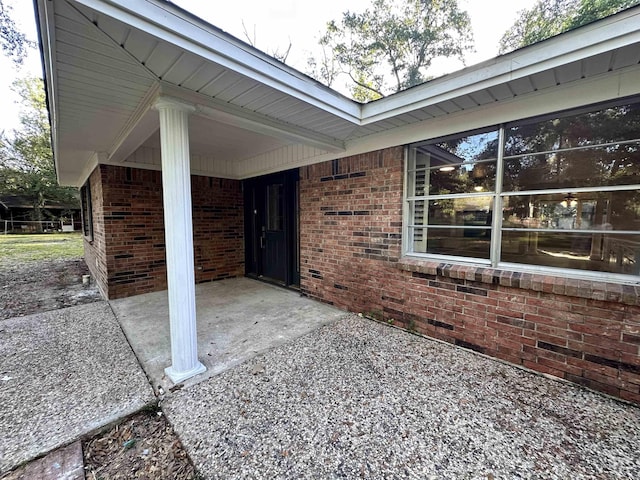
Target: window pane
pixel 275 203
pixel 591 167
pixel 604 252
pixel 467 149
pixel 459 165
pixel 466 178
pixel 472 211
pixel 608 125
pixel 460 242
pixel 579 211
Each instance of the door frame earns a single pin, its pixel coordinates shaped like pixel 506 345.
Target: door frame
pixel 254 217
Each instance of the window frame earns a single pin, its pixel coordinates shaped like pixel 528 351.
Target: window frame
pixel 86 211
pixel 499 195
pixel 411 200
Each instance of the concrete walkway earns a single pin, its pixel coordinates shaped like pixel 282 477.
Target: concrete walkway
pixel 63 374
pixel 315 393
pixel 237 319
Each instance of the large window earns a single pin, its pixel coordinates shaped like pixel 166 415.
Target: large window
pixel 566 188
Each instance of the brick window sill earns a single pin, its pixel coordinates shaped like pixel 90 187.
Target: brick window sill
pixel 573 287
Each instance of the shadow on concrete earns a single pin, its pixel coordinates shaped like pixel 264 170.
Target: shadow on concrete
pixel 237 319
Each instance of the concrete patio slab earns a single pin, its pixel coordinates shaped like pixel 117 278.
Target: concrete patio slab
pixel 236 320
pixel 63 374
pixel 358 399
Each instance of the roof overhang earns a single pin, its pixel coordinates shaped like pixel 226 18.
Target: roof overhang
pixel 107 61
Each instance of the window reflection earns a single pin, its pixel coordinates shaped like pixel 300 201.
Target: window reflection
pixel 472 148
pixel 602 126
pixel 603 252
pixel 590 167
pixel 618 210
pixel 569 192
pixel 451 241
pixel 464 164
pixel 594 150
pixel 471 211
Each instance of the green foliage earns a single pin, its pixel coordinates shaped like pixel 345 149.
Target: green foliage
pixel 411 326
pixel 390 46
pixel 552 17
pixel 12 41
pixel 26 159
pixel 375 314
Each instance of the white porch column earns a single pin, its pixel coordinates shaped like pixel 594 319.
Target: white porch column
pixel 178 231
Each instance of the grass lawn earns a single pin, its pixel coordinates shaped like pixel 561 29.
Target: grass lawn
pixel 46 246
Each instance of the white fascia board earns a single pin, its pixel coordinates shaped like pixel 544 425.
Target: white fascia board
pixel 96 159
pixel 606 35
pixel 82 163
pixel 237 116
pixel 46 30
pixel 163 21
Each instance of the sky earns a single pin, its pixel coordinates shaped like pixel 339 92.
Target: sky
pixel 274 24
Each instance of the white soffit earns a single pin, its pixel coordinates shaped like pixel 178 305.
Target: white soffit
pixel 106 59
pixel 168 61
pixel 191 39
pixel 242 76
pixel 92 88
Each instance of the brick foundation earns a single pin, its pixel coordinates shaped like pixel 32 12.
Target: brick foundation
pixel 127 256
pixel 351 224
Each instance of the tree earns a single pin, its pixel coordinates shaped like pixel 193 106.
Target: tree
pixel 390 46
pixel 326 69
pixel 552 17
pixel 277 54
pixel 26 158
pixel 13 42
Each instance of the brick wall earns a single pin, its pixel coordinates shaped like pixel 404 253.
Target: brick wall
pixel 94 248
pixel 350 229
pixel 583 331
pixel 130 245
pixel 218 228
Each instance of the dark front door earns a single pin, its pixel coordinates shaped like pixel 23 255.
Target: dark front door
pixel 271 222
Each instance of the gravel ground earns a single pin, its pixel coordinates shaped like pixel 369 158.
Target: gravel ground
pixel 357 399
pixel 38 286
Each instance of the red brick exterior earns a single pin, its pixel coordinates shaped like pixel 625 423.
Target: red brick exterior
pixel 94 247
pixel 127 256
pixel 350 241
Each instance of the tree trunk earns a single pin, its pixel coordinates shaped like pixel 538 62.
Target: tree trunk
pixel 36 215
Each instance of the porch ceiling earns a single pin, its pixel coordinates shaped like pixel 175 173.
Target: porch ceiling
pixel 106 62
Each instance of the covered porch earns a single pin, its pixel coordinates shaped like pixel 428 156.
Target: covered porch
pixel 238 319
pixel 139 88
